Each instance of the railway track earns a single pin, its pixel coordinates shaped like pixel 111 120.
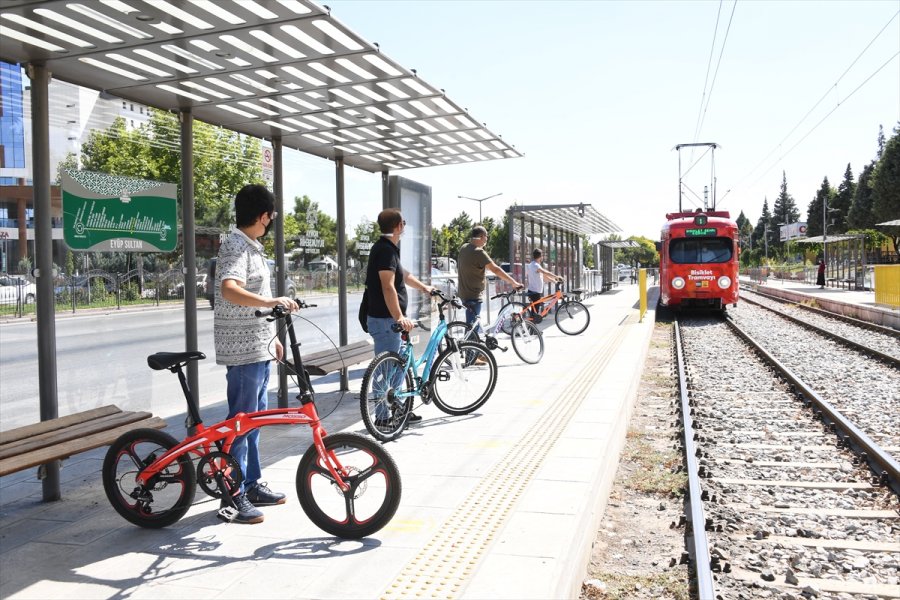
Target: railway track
pixel 869 338
pixel 783 502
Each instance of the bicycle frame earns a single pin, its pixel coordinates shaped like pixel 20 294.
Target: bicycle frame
pixel 427 358
pixel 549 302
pixel 221 436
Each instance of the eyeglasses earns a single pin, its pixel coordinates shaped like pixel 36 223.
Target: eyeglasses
pixel 404 222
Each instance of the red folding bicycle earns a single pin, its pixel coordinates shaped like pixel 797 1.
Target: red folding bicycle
pixel 348 485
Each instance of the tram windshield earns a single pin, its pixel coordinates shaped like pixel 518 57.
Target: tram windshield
pixel 700 250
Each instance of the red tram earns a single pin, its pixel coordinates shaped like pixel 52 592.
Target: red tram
pixel 698 260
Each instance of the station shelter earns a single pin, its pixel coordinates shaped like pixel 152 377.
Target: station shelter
pixel 604 252
pixel 559 231
pixel 287 72
pixel 845 259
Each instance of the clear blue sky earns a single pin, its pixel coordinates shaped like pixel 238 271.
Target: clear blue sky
pixel 597 94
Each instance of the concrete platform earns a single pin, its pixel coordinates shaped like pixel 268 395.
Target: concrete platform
pixel 859 304
pixel 503 503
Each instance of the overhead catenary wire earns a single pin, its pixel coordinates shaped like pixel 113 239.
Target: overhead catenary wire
pixel 827 92
pixel 712 85
pixel 712 49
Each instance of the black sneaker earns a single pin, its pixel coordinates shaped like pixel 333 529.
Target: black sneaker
pixel 260 495
pixel 247 513
pixel 413 418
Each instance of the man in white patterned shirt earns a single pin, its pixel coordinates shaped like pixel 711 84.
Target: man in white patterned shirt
pixel 245 343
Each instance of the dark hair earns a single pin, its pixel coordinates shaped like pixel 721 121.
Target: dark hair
pixel 536 253
pixel 252 201
pixel 388 219
pixel 478 231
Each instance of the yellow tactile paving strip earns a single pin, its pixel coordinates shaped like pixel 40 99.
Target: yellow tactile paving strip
pixel 446 563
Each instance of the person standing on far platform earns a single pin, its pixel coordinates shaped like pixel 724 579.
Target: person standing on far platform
pixel 473 260
pixel 820 275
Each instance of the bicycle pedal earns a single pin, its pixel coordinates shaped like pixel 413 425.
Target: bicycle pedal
pixel 227 513
pixel 503 348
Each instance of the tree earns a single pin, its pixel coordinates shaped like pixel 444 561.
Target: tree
pixel 317 230
pixel 645 253
pixel 886 186
pixel 842 201
pixel 784 210
pixel 814 211
pixel 757 240
pixel 860 215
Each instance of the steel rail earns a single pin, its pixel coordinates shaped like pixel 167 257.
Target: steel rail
pixel 827 313
pixel 880 461
pixel 889 359
pixel 702 565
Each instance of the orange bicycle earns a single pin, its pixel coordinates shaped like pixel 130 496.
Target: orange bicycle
pixel 571 316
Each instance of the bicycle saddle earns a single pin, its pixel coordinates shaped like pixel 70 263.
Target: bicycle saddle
pixel 167 360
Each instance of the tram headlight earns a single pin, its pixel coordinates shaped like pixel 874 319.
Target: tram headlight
pixel 724 282
pixel 678 283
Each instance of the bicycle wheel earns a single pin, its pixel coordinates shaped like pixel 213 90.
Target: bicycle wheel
pixel 458 330
pixel 384 414
pixel 572 317
pixel 528 341
pixel 504 321
pixel 166 497
pixel 374 493
pixel 464 379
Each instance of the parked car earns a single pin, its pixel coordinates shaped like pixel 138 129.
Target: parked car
pixel 16 289
pixel 442 280
pixel 290 289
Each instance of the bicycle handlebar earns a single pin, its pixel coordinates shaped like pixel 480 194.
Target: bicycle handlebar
pixel 509 293
pixel 279 311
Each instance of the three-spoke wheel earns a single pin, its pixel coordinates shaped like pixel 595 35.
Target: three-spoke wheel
pixel 166 497
pixel 371 477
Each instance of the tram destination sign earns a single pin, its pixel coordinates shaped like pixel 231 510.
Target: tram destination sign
pixel 700 232
pixel 109 213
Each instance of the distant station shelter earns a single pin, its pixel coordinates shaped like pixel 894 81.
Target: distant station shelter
pixel 283 71
pixel 557 230
pixel 845 259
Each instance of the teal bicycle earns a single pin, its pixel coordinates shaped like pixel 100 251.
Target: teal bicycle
pixel 458 378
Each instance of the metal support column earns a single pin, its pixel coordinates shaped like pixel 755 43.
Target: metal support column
pixel 524 259
pixel 385 189
pixel 342 263
pixel 189 241
pixel 280 262
pixel 43 254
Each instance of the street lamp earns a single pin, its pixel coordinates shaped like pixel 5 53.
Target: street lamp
pixel 479 201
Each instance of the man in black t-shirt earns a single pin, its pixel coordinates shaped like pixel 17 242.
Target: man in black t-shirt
pixel 386 280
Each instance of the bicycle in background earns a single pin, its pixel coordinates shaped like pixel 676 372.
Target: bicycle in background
pixel 571 316
pixel 348 485
pixel 459 378
pixel 527 339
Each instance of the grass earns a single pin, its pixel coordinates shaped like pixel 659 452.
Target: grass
pixel 662 586
pixel 654 468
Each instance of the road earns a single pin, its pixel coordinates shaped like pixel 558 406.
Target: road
pixel 101 359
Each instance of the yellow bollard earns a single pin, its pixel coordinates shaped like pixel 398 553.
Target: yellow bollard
pixel 642 284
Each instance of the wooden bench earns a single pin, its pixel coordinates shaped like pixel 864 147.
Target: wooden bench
pixel 327 361
pixel 60 438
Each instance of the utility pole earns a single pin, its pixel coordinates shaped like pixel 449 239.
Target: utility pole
pixel 479 201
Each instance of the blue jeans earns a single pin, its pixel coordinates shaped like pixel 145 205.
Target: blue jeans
pixel 247 393
pixel 385 341
pixel 473 310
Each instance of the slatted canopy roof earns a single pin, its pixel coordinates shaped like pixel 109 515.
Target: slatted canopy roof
pixel 618 244
pixel 265 68
pixel 830 239
pixel 582 219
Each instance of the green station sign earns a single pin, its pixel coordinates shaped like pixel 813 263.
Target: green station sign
pixel 700 232
pixel 109 213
